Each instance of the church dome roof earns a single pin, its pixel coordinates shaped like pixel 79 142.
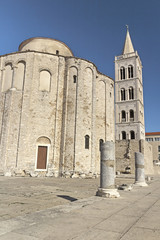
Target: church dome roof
pixel 47 45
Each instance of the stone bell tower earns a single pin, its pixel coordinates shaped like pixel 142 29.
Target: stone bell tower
pixel 129 93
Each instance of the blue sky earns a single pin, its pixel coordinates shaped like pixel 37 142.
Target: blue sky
pixel 94 30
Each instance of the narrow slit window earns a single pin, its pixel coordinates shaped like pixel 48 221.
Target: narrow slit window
pixel 74 78
pixel 100 144
pixel 57 52
pixel 86 142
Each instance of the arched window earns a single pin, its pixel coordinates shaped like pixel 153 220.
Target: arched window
pixel 123 135
pixel 122 72
pixel 131 93
pixel 7 79
pixel 131 115
pixel 86 142
pixel 19 76
pixel 100 144
pixel 44 81
pixel 123 116
pixel 130 71
pixel 132 134
pixel 123 94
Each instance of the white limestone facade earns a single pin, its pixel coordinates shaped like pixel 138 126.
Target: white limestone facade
pixel 55 109
pixel 129 94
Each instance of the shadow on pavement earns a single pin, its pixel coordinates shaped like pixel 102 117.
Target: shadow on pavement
pixel 71 199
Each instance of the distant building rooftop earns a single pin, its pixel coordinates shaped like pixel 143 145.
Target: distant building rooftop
pixel 152 133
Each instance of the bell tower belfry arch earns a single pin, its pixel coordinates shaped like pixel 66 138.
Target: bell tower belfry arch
pixel 129 93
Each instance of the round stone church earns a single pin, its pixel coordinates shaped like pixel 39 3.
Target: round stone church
pixel 55 111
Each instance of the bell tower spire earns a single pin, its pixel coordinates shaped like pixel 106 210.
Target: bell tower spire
pixel 128 46
pixel 129 94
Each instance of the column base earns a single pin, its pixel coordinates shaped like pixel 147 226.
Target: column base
pixel 108 193
pixel 141 184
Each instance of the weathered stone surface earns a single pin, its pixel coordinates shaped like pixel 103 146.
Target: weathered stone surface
pixel 139 170
pixel 39 208
pixel 107 174
pixel 33 174
pixel 8 174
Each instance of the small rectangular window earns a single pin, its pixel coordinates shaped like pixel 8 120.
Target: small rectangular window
pixel 150 139
pixel 158 148
pixel 157 139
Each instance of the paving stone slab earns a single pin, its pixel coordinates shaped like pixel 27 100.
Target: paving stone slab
pixel 16 236
pixel 97 234
pixel 141 234
pixel 117 223
pixel 67 226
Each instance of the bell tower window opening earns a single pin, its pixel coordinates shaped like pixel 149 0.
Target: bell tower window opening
pixel 123 116
pixel 131 93
pixel 87 142
pixel 132 134
pixel 122 73
pixel 130 71
pixel 123 135
pixel 131 115
pixel 123 94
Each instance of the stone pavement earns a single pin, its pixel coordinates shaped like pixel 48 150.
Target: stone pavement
pixel 49 208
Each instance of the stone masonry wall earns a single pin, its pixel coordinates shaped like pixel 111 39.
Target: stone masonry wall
pixel 41 105
pixel 125 155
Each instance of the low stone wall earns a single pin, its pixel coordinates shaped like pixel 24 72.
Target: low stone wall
pixel 125 155
pixel 66 174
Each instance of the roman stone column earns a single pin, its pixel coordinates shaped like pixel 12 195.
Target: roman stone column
pixel 139 170
pixel 107 176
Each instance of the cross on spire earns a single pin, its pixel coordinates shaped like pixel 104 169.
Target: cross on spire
pixel 127 27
